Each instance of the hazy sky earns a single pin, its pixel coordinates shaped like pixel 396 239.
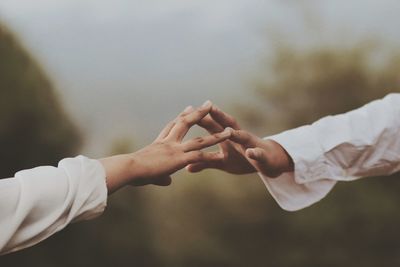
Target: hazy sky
pixel 124 63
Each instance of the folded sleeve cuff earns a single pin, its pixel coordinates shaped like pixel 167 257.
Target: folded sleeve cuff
pixel 292 196
pixel 91 196
pixel 306 185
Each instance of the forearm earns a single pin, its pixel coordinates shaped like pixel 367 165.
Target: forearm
pixel 363 142
pixel 120 170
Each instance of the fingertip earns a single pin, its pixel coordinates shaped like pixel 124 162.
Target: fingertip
pixel 249 153
pixel 215 111
pixel 193 168
pixel 215 107
pixel 190 168
pixel 226 133
pixel 220 156
pixel 188 108
pixel 204 109
pixel 229 129
pixel 235 134
pixel 253 153
pixel 166 181
pixel 207 104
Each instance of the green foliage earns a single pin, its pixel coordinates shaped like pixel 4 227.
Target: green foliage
pixel 34 129
pixel 304 86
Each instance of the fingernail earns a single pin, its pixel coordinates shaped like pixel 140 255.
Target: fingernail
pixel 188 108
pixel 250 153
pixel 226 132
pixel 206 104
pixel 220 156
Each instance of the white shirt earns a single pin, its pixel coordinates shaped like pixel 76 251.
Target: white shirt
pixel 360 143
pixel 39 202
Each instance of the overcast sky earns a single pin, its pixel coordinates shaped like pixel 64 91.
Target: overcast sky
pixel 124 63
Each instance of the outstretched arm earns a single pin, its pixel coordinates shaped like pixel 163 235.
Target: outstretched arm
pixel 39 202
pixel 309 160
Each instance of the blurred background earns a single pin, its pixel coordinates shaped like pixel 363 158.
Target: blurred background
pixel 103 77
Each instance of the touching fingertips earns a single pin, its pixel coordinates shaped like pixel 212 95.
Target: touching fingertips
pixel 188 109
pixel 226 133
pixel 206 104
pixel 215 108
pixel 229 129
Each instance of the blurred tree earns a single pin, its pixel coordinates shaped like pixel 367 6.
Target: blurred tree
pixel 34 129
pixel 303 86
pixel 231 221
pixel 356 224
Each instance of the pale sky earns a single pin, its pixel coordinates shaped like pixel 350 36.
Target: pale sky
pixel 124 63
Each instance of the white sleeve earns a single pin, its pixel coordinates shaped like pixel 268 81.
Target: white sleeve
pixel 39 202
pixel 364 142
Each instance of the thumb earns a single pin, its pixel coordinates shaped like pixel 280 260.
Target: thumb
pixel 198 167
pixel 257 154
pixel 162 181
pixel 242 137
pixel 258 157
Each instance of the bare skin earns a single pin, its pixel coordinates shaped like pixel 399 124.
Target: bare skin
pixel 167 154
pixel 243 152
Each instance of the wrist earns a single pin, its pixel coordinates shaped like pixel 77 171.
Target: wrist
pixel 118 171
pixel 281 157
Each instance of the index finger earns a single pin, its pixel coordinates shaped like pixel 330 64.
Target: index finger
pixel 210 125
pixel 184 123
pixel 164 133
pixel 224 119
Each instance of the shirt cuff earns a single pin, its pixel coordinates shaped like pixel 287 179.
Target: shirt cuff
pixel 292 196
pixel 91 195
pixel 305 186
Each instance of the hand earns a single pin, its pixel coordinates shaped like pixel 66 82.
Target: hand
pixel 168 153
pixel 244 152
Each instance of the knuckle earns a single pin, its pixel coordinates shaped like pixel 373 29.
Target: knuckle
pixel 235 132
pixel 183 120
pixel 199 155
pixel 158 142
pixel 217 136
pixel 199 140
pixel 193 157
pixel 200 112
